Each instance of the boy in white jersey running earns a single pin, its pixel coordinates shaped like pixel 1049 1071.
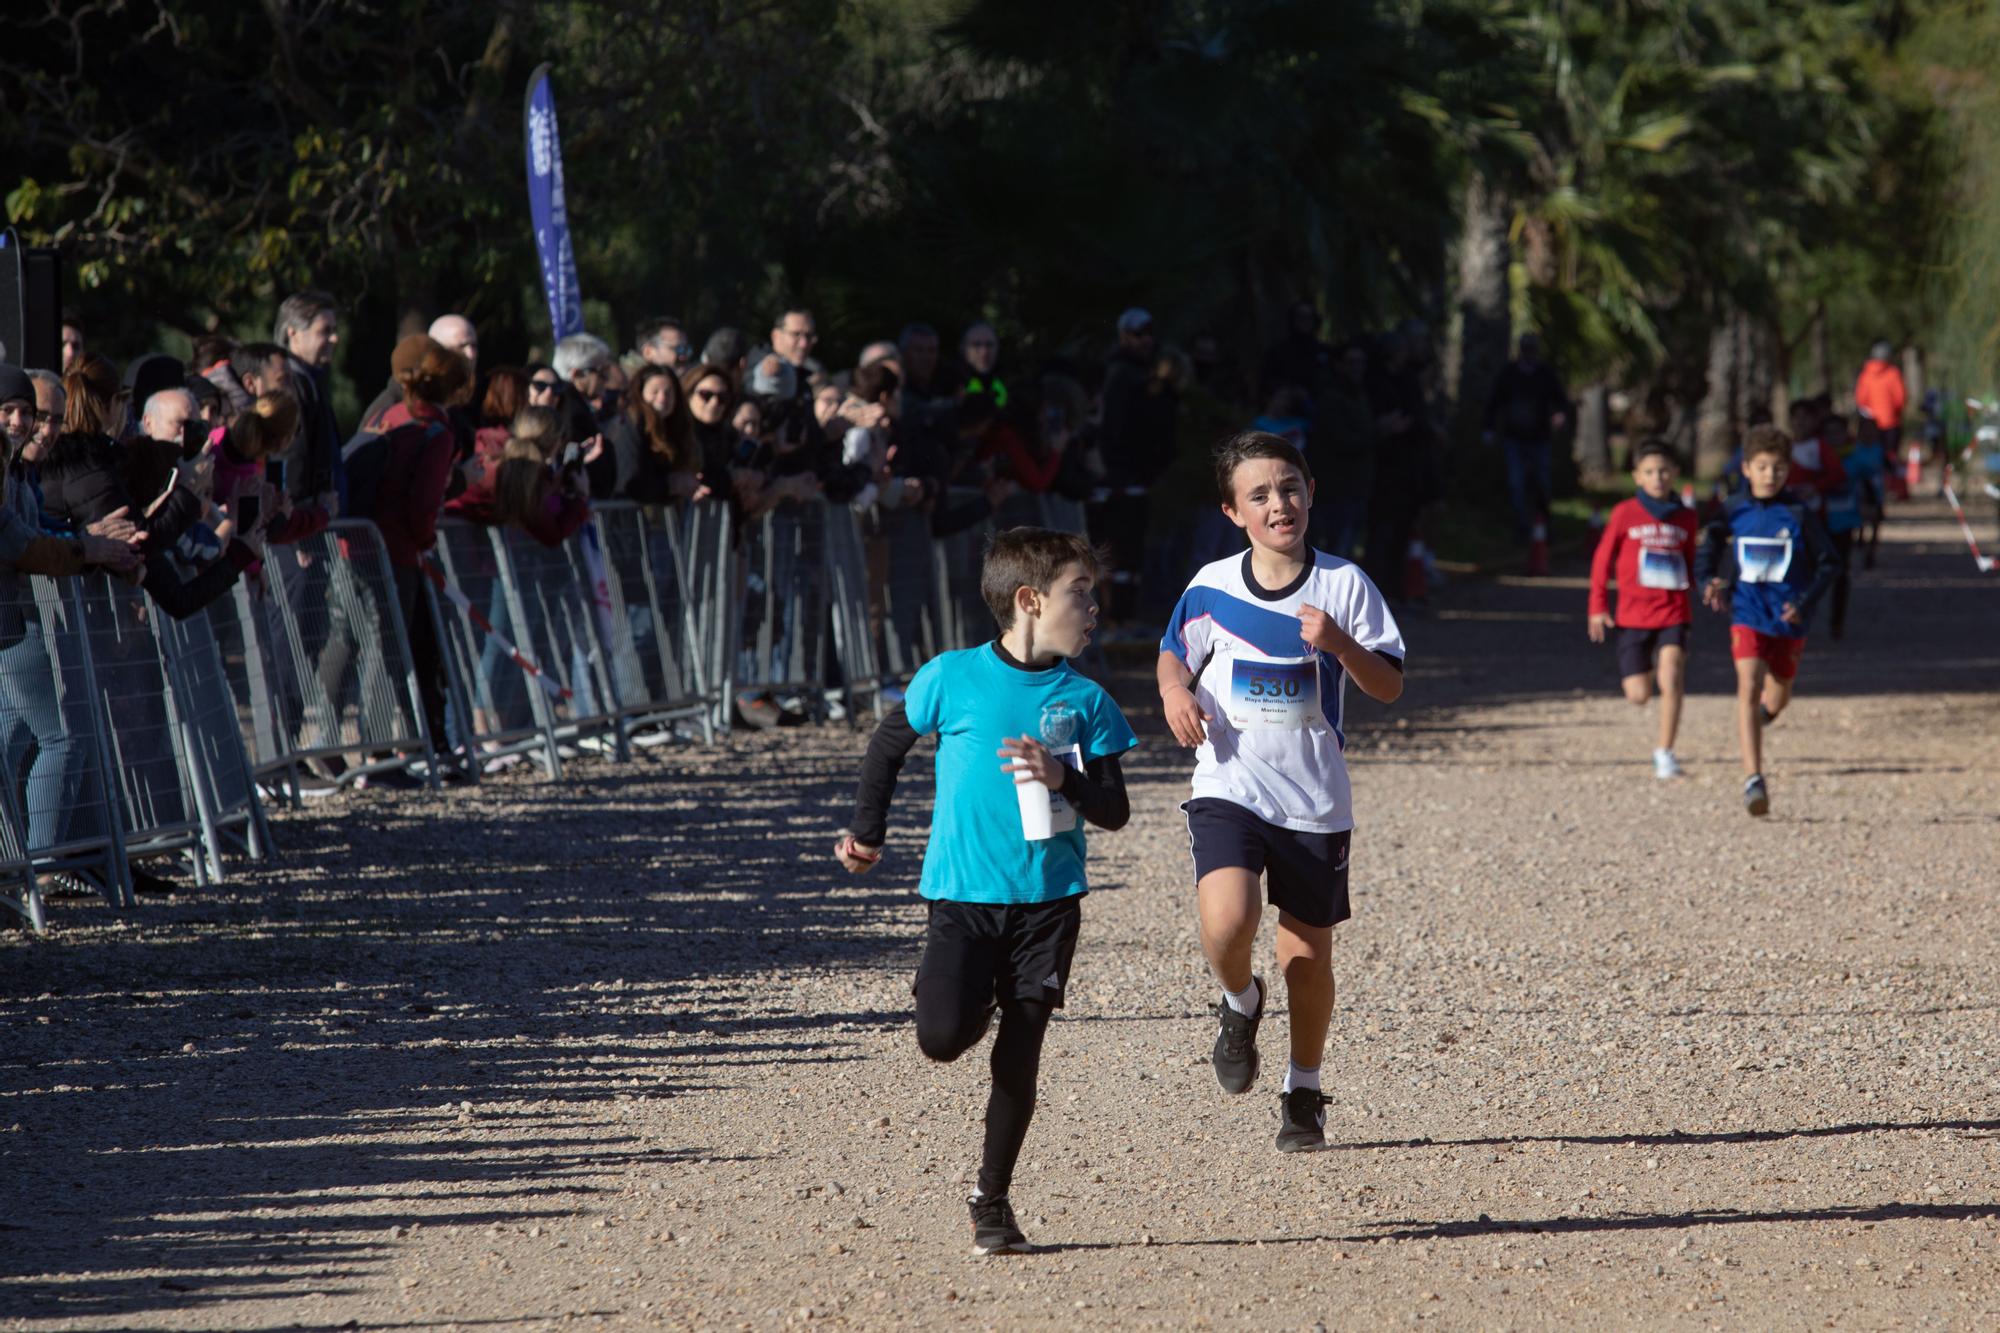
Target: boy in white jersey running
pixel 1252 670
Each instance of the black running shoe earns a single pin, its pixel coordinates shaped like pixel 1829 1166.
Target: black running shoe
pixel 994 1230
pixel 1302 1120
pixel 1236 1044
pixel 1756 796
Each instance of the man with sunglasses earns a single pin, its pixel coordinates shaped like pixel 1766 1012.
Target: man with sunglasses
pixel 663 342
pixel 793 336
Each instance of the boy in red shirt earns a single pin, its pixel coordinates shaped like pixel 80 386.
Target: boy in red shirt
pixel 1649 544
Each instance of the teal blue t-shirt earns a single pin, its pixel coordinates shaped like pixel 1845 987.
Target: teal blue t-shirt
pixel 972 701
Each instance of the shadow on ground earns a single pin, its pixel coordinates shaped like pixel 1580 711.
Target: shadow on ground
pixel 414 1003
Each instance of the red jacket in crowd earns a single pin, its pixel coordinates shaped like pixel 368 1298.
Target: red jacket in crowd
pixel 561 514
pixel 1650 544
pixel 414 476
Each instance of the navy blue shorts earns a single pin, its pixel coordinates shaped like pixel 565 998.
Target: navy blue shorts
pixel 1637 648
pixel 1305 874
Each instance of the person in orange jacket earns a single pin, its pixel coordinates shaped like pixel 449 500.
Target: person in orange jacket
pixel 1879 392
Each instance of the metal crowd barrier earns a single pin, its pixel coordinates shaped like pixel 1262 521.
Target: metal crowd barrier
pixel 124 732
pixel 656 565
pixel 802 619
pixel 120 740
pixel 318 662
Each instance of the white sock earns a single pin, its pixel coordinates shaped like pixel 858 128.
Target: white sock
pixel 1246 1001
pixel 1296 1077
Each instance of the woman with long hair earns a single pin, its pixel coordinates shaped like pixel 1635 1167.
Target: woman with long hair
pixel 651 452
pixel 711 400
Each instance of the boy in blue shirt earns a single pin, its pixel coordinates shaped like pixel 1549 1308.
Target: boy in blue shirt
pixel 1027 752
pixel 1772 550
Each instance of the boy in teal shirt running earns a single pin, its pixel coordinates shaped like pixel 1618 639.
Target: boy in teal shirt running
pixel 1027 753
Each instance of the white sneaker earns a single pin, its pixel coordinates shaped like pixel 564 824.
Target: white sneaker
pixel 1665 765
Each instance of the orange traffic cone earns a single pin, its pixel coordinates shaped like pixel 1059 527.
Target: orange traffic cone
pixel 1913 467
pixel 1538 547
pixel 1687 494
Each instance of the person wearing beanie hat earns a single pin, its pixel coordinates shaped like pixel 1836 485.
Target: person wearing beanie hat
pixel 16 387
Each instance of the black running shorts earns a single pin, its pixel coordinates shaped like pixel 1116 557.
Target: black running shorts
pixel 1638 647
pixel 1305 874
pixel 1002 953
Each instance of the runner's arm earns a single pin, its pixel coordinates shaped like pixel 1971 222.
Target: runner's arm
pixel 1602 562
pixel 887 748
pixel 1098 792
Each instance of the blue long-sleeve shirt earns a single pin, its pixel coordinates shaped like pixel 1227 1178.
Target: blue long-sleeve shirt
pixel 1772 552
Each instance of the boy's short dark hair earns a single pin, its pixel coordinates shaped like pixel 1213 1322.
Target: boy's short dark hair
pixel 1654 447
pixel 1767 439
pixel 1029 558
pixel 1240 448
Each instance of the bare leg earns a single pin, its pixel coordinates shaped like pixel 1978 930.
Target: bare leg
pixel 1231 905
pixel 1305 956
pixel 1672 669
pixel 1750 674
pixel 1638 689
pixel 1777 694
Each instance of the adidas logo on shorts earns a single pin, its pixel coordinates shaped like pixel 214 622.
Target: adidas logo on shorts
pixel 1052 982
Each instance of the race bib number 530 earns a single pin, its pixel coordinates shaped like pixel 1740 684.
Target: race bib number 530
pixel 1273 694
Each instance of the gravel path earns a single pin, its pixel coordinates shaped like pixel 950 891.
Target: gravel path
pixel 629 1051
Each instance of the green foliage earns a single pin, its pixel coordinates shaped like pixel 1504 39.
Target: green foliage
pixel 1034 162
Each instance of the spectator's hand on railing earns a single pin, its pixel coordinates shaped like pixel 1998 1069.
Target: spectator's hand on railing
pixel 748 482
pixel 120 557
pixel 117 527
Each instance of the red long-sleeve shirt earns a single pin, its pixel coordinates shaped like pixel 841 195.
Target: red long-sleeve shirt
pixel 1653 558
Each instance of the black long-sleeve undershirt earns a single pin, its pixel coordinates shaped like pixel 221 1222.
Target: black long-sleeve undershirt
pixel 1097 793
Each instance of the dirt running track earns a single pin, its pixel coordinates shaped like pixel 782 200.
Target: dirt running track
pixel 628 1051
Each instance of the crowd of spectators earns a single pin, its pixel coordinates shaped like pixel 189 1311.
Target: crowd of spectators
pixel 184 478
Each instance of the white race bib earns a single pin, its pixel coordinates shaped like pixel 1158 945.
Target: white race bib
pixel 1664 570
pixel 1763 559
pixel 1272 693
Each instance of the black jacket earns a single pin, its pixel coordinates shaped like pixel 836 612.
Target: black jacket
pixel 85 477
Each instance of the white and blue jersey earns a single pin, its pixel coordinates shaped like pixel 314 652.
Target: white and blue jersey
pixel 1276 739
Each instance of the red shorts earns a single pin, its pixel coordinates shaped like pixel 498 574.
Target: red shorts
pixel 1779 652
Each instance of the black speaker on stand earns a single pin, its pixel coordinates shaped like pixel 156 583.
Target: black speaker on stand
pixel 30 304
